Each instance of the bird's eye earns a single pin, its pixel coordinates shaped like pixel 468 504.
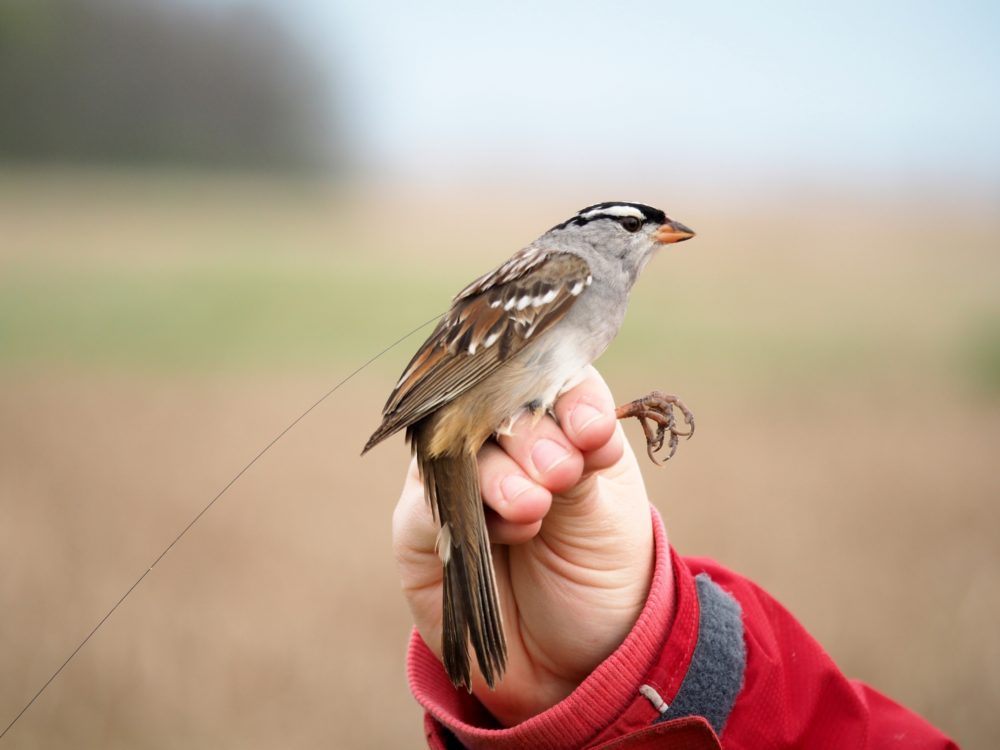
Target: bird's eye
pixel 631 224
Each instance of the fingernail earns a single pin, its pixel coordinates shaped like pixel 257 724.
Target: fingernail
pixel 547 455
pixel 514 486
pixel 583 416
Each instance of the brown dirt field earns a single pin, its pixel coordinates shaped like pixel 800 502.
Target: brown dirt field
pixel 276 621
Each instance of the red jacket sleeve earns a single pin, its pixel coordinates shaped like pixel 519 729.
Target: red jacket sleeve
pixel 795 696
pixel 713 661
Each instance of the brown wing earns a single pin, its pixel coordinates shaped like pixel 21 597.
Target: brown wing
pixel 489 322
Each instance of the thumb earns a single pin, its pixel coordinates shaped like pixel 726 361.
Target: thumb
pixel 608 509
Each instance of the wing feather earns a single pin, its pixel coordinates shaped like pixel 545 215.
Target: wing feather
pixel 490 321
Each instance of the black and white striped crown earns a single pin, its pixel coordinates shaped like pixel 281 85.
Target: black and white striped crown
pixel 615 210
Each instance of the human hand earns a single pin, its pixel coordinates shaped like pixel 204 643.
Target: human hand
pixel 572 540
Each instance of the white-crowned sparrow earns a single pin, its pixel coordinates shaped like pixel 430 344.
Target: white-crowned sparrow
pixel 514 340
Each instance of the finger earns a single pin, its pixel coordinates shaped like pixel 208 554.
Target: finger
pixel 518 503
pixel 413 528
pixel 608 454
pixel 504 532
pixel 586 413
pixel 544 453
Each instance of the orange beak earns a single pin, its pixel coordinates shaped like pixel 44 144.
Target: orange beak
pixel 672 231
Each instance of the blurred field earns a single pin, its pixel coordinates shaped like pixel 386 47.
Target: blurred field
pixel 841 352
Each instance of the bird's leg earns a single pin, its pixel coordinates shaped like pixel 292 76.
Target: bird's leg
pixel 538 409
pixel 507 428
pixel 659 408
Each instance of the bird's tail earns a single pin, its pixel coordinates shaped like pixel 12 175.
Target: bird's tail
pixel 471 603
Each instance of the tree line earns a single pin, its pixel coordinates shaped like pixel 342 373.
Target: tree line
pixel 159 81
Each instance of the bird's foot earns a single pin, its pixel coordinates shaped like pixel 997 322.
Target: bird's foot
pixel 538 409
pixel 659 408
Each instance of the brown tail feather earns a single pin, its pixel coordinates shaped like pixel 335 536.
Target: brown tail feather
pixel 471 605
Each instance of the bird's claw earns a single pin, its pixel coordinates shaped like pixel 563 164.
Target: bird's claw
pixel 658 407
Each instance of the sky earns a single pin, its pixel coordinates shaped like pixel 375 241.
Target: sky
pixel 905 89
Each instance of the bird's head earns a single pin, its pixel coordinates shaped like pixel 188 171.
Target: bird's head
pixel 627 232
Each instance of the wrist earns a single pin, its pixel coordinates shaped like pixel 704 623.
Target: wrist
pixel 595 703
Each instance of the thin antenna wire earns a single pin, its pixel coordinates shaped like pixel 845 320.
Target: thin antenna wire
pixel 202 512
